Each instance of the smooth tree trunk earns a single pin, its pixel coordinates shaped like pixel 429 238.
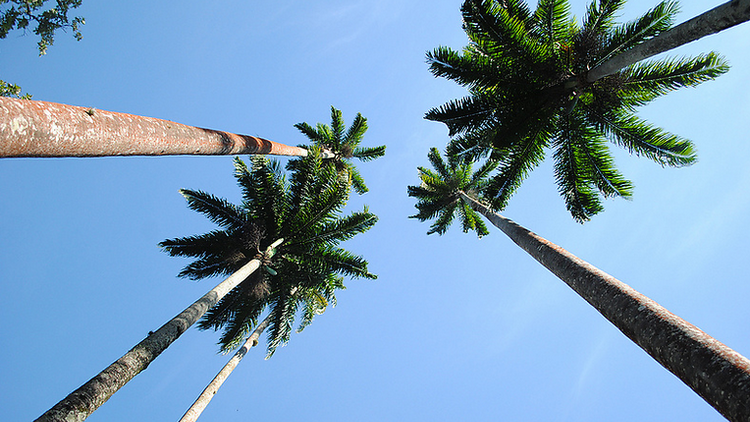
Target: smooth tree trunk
pixel 43 129
pixel 715 20
pixel 717 373
pixel 210 391
pixel 79 404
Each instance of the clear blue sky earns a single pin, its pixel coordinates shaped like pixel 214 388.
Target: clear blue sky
pixel 455 328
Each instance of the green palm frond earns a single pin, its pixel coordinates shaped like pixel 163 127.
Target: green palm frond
pixel 600 16
pixel 340 230
pixel 520 160
pixel 645 81
pixel 309 131
pixel 462 115
pixel 643 139
pixel 356 131
pixel 195 246
pixel 317 300
pixel 369 153
pixel 489 24
pixel 553 23
pixel 216 209
pixel 468 70
pixel 339 261
pixel 282 320
pixel 649 25
pixel 356 180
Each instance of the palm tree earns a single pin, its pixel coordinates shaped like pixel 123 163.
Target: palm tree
pixel 306 271
pixel 308 210
pixel 526 73
pixel 717 373
pixel 43 129
pixel 343 143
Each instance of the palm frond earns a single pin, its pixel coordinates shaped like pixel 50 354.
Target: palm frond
pixel 649 25
pixel 369 153
pixel 643 139
pixel 219 211
pixel 356 131
pixel 553 23
pixel 520 160
pixel 600 16
pixel 646 81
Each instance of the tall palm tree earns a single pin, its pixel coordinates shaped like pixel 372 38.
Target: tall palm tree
pixel 44 129
pixel 306 271
pixel 308 210
pixel 526 75
pixel 717 373
pixel 343 144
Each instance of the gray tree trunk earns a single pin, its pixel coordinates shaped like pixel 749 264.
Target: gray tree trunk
pixel 212 388
pixel 717 373
pixel 42 129
pixel 79 404
pixel 717 19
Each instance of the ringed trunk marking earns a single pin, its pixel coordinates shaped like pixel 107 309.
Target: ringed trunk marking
pixel 43 129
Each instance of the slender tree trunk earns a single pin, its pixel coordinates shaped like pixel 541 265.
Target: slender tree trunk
pixel 42 129
pixel 79 404
pixel 717 19
pixel 208 393
pixel 717 373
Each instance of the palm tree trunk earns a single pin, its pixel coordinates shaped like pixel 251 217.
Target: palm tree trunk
pixel 727 15
pixel 717 373
pixel 79 404
pixel 42 129
pixel 212 388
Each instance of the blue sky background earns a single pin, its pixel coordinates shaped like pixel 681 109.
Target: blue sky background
pixel 455 328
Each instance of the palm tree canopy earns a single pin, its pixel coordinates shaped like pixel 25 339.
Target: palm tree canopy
pixel 343 143
pixel 439 194
pixel 305 270
pixel 526 76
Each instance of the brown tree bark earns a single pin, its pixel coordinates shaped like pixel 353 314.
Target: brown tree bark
pixel 79 404
pixel 727 15
pixel 717 373
pixel 43 129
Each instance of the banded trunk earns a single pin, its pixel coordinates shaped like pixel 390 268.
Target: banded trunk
pixel 715 20
pixel 717 373
pixel 79 404
pixel 43 129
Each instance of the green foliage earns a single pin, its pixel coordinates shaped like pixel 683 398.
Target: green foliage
pixel 10 90
pixel 303 274
pixel 343 143
pixel 439 194
pixel 526 76
pixel 20 14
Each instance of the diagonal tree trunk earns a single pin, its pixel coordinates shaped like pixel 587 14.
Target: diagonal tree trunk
pixel 42 129
pixel 727 15
pixel 717 373
pixel 79 404
pixel 212 388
